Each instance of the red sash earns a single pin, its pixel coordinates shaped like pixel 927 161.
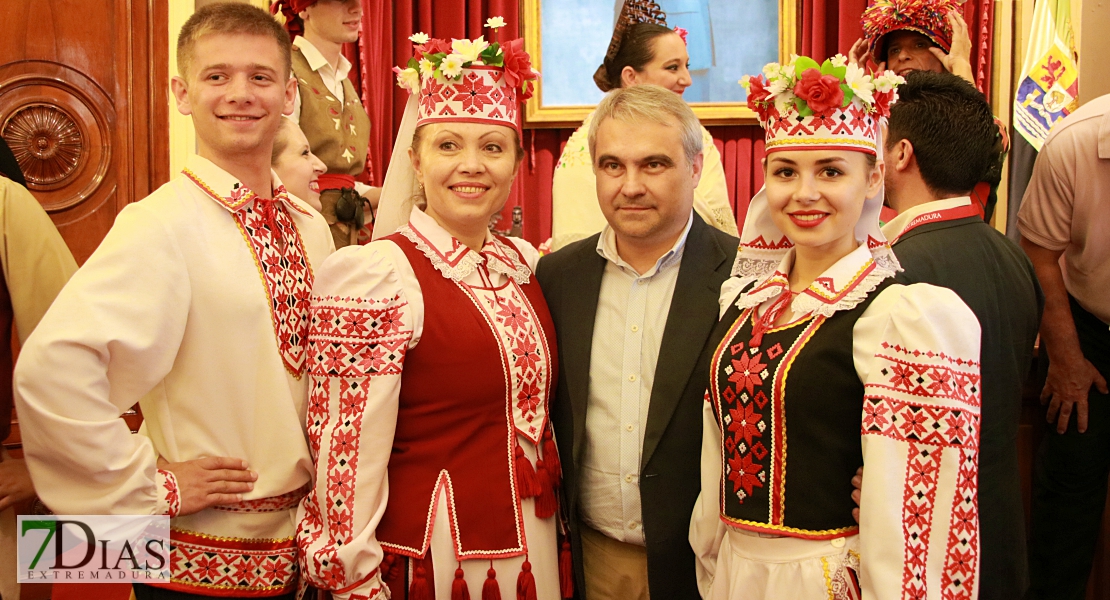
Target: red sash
pixel 939 216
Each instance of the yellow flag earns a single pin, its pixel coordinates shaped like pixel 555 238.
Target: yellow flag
pixel 1048 89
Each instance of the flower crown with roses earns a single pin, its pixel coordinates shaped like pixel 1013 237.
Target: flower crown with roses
pixel 445 61
pixel 832 104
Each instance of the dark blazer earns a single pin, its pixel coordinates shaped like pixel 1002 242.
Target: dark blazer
pixel 995 279
pixel 670 465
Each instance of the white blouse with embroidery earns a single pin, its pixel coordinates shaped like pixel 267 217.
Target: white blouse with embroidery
pixel 916 350
pixel 379 276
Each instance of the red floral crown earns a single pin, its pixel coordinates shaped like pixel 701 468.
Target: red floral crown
pixel 469 80
pixel 806 105
pixel 927 17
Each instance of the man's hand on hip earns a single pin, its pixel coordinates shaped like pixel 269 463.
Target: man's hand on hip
pixel 210 481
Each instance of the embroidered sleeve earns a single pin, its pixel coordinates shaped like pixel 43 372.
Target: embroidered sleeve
pixel 170 502
pixel 706 529
pixel 94 354
pixel 711 195
pixel 360 329
pixel 917 349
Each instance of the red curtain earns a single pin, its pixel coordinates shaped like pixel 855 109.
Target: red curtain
pixel 825 27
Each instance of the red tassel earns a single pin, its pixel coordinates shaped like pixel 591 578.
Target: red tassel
pixel 551 457
pixel 420 589
pixel 392 566
pixel 526 583
pixel 545 500
pixel 490 589
pixel 459 591
pixel 566 571
pixel 526 484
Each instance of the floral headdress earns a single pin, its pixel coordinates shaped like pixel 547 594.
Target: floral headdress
pixel 927 17
pixel 468 80
pixel 808 105
pixel 461 81
pixel 804 105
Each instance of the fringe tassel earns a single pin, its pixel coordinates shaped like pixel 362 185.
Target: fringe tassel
pixel 526 482
pixel 526 583
pixel 459 591
pixel 546 504
pixel 391 566
pixel 566 571
pixel 490 589
pixel 551 457
pixel 420 588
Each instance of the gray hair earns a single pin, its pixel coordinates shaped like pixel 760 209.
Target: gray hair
pixel 649 104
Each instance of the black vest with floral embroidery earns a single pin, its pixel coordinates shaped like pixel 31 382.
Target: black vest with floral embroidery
pixel 789 412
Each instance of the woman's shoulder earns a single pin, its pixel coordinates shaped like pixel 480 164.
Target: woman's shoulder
pixel 370 271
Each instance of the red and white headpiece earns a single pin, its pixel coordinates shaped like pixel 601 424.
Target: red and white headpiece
pixel 804 105
pixel 927 17
pixel 461 81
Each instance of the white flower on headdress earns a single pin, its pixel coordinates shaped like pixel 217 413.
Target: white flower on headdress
pixel 839 60
pixel 779 85
pixel 452 66
pixel 408 79
pixel 784 102
pixel 860 83
pixel 746 81
pixel 495 22
pixel 887 81
pixel 427 67
pixel 771 70
pixel 419 38
pixel 469 50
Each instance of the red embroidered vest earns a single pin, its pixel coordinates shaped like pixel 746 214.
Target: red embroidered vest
pixel 455 423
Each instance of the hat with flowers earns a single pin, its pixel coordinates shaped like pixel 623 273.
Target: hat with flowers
pixel 927 17
pixel 290 10
pixel 806 105
pixel 469 80
pixel 809 105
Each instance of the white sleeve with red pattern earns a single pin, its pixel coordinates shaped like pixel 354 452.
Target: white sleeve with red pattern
pixel 707 531
pixel 917 352
pixel 365 308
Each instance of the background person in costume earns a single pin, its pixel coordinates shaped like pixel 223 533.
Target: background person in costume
pixel 931 167
pixel 643 50
pixel 434 360
pixel 633 307
pixel 296 165
pixel 928 35
pixel 817 345
pixel 175 311
pixel 328 109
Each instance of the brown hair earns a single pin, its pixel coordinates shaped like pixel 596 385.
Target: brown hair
pixel 637 49
pixel 229 18
pixel 281 139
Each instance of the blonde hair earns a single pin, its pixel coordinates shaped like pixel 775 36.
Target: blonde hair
pixel 230 18
pixel 649 104
pixel 281 139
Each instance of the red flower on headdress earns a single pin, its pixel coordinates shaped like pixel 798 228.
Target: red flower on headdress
pixel 432 46
pixel 821 92
pixel 518 67
pixel 882 102
pixel 682 33
pixel 758 96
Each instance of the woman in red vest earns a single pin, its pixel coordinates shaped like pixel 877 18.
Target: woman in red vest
pixel 433 361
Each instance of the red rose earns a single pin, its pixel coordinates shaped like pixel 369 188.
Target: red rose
pixel 758 96
pixel 433 46
pixel 882 102
pixel 821 92
pixel 518 66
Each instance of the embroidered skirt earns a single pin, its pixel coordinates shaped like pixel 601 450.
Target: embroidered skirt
pixel 751 567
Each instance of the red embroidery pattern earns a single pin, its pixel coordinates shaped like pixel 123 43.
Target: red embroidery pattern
pixel 472 93
pixel 223 565
pixel 279 503
pixel 741 413
pixel 933 425
pixel 524 350
pixel 278 252
pixel 918 502
pixel 927 375
pixel 962 553
pixel 351 341
pixel 173 499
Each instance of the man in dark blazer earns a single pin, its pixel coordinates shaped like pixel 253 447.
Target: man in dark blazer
pixel 633 307
pixel 941 139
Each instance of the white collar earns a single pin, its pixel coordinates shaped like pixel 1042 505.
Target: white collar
pixel 454 259
pixel 228 191
pixel 894 229
pixel 607 248
pixel 316 60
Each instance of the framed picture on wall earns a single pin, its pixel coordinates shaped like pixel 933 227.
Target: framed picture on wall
pixel 726 40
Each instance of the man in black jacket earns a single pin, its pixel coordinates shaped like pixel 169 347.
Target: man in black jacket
pixel 941 139
pixel 633 307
